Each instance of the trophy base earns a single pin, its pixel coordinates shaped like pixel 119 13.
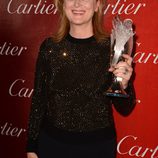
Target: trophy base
pixel 117 95
pixel 116 90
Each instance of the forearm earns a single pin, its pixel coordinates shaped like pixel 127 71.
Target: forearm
pixel 125 105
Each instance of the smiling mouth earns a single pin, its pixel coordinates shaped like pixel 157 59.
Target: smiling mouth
pixel 78 12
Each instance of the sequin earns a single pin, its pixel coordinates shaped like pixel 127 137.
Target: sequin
pixel 70 80
pixel 65 54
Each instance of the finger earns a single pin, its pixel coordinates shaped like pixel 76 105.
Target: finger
pixel 123 64
pixel 124 76
pixel 123 71
pixel 128 59
pixel 111 69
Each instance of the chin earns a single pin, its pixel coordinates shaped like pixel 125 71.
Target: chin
pixel 79 21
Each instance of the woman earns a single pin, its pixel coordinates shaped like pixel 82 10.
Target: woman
pixel 70 115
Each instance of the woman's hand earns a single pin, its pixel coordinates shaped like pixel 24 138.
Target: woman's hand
pixel 123 69
pixel 31 155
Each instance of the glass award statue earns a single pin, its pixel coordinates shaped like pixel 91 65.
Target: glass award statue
pixel 121 43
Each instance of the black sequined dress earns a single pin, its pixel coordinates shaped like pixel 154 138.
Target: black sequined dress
pixel 69 100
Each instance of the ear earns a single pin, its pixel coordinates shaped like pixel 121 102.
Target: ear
pixel 97 5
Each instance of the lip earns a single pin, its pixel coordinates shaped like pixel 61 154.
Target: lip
pixel 80 12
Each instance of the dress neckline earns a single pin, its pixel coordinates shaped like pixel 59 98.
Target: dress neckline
pixel 80 40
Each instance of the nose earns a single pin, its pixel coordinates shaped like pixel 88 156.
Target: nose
pixel 77 3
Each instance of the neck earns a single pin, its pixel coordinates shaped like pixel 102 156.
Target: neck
pixel 79 31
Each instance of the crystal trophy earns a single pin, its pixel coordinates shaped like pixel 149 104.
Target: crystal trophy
pixel 121 43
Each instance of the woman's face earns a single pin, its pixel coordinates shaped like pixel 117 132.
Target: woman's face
pixel 80 12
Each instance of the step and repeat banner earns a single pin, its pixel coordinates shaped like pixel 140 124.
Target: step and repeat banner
pixel 25 24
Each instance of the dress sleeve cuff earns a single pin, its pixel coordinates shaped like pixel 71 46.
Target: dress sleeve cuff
pixel 32 146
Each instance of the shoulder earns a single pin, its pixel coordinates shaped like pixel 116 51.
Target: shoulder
pixel 104 47
pixel 46 44
pixel 49 48
pixel 104 43
pixel 50 44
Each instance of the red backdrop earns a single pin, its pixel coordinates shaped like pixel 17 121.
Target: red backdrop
pixel 24 25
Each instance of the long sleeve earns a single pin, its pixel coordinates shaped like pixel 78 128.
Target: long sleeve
pixel 70 80
pixel 125 105
pixel 38 106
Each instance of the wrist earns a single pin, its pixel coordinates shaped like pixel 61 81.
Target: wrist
pixel 125 86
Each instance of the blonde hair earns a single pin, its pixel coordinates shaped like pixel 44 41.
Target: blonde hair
pixel 64 26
